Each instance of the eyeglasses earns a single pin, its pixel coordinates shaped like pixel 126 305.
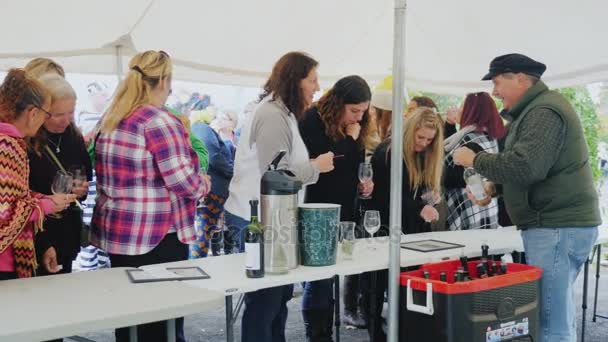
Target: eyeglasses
pixel 46 113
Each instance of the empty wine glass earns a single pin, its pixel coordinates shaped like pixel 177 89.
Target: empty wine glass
pixel 62 183
pixel 366 174
pixel 371 222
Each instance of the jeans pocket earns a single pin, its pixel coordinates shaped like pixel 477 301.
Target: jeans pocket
pixel 580 242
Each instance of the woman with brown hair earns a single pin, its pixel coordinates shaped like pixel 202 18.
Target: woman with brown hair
pixel 271 128
pixel 338 123
pixel 24 106
pixel 422 171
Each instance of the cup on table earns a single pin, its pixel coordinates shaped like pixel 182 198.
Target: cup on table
pixel 347 239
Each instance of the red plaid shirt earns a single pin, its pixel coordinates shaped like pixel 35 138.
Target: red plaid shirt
pixel 147 183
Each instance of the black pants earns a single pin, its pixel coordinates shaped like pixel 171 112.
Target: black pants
pixel 265 314
pixel 170 249
pixel 375 300
pixel 352 293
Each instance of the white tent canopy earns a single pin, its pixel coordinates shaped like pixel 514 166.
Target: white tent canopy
pixel 448 43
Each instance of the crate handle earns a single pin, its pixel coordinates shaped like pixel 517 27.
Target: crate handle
pixel 428 309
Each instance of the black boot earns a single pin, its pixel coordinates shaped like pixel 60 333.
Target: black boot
pixel 318 324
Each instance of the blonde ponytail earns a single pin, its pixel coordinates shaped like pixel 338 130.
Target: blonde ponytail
pixel 146 71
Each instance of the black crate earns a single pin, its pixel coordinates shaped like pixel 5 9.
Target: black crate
pixel 499 308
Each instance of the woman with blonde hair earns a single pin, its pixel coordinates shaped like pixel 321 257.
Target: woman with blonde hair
pixel 24 105
pixel 61 149
pixel 148 178
pixel 421 188
pixel 38 67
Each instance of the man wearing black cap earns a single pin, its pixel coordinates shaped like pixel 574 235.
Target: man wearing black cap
pixel 545 178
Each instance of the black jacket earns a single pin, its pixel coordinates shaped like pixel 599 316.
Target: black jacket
pixel 412 203
pixel 340 185
pixel 63 233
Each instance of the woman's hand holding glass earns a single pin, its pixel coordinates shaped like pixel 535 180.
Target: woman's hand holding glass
pixel 429 213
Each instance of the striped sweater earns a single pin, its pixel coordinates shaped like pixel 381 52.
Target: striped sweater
pixel 21 211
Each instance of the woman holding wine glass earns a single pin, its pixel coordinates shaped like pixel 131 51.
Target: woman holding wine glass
pixel 24 104
pixel 338 122
pixel 59 163
pixel 422 170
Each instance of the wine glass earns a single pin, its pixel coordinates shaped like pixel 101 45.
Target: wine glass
pixel 366 174
pixel 79 175
pixel 371 222
pixel 62 184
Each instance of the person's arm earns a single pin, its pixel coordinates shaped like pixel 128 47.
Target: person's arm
pixel 220 157
pixel 166 141
pixel 540 140
pixel 271 133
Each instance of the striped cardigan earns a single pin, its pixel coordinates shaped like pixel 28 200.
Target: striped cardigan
pixel 21 211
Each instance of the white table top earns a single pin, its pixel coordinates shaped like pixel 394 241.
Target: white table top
pixel 42 308
pixel 228 272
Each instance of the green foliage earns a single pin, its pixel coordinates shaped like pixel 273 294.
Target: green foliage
pixel 580 99
pixel 443 102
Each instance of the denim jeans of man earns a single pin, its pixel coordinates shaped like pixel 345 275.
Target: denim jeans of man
pixel 235 243
pixel 561 253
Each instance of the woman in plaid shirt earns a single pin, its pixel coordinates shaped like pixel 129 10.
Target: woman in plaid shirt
pixel 148 178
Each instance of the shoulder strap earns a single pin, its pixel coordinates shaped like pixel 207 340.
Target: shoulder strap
pixel 54 157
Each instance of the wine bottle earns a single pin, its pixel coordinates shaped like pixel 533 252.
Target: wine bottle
pixel 254 245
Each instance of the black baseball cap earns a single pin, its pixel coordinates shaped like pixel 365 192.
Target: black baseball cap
pixel 514 62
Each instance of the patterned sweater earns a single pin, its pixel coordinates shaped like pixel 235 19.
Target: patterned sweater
pixel 21 211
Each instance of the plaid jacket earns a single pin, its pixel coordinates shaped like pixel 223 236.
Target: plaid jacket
pixel 462 213
pixel 147 183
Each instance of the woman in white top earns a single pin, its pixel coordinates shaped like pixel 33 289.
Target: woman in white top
pixel 272 127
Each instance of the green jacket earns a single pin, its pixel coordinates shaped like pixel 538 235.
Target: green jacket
pixel 562 193
pixel 197 145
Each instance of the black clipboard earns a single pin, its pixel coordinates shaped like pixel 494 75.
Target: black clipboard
pixel 138 275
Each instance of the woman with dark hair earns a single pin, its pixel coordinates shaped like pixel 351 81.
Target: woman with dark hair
pixel 273 127
pixel 24 106
pixel 338 123
pixel 480 129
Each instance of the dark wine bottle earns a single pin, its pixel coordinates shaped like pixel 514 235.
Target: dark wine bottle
pixel 254 245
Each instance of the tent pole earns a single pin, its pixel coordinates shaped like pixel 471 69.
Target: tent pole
pixel 396 170
pixel 119 62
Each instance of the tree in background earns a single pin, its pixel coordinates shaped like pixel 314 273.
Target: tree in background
pixel 581 100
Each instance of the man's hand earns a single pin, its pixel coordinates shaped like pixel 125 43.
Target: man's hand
pixel 464 156
pixel 490 192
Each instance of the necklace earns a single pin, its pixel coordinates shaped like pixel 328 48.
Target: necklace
pixel 57 145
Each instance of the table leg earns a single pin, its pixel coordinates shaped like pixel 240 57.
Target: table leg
pixel 171 330
pixel 133 333
pixel 597 279
pixel 585 283
pixel 372 306
pixel 337 306
pixel 229 325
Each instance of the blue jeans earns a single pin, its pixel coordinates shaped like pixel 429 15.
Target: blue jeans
pixel 265 314
pixel 236 229
pixel 318 295
pixel 560 252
